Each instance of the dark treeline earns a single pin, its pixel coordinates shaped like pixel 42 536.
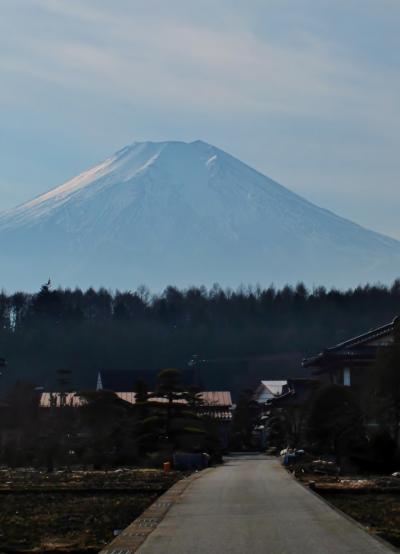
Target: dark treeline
pixel 84 331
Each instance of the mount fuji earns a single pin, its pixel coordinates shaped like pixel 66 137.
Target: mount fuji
pixel 175 213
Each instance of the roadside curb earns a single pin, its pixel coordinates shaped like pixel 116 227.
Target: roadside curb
pixel 131 538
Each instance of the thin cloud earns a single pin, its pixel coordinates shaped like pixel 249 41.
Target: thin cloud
pixel 183 64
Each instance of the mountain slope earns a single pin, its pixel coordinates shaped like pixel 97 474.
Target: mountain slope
pixel 179 213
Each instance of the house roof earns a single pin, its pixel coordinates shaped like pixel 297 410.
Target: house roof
pixel 274 387
pixel 50 399
pixel 356 350
pixel 379 332
pixel 211 399
pixel 217 398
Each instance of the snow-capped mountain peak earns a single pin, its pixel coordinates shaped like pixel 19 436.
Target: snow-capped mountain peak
pixel 184 213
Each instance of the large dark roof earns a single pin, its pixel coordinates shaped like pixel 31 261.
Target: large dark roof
pixel 379 332
pixel 125 380
pixel 355 349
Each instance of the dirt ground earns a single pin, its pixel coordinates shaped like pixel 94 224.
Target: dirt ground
pixel 372 500
pixel 73 512
pixel 380 513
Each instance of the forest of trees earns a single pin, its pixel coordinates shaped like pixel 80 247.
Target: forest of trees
pixel 83 331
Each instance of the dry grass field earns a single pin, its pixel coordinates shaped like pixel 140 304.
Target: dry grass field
pixel 73 512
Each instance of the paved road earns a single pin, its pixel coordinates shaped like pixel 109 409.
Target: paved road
pixel 251 505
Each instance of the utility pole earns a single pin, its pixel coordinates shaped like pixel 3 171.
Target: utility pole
pixel 195 364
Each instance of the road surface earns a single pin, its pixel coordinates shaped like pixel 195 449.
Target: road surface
pixel 251 505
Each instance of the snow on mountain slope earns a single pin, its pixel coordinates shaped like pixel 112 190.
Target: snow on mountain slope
pixel 183 213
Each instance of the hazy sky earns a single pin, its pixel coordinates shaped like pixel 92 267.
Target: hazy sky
pixel 307 91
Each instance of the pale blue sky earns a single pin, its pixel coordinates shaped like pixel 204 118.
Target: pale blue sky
pixel 307 91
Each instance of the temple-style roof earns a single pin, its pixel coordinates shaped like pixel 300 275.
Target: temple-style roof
pixel 361 349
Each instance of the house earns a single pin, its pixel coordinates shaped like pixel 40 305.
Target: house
pixel 264 395
pixel 346 362
pixel 288 400
pixel 267 390
pixel 285 420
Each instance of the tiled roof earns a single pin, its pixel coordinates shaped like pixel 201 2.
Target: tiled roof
pixel 354 348
pixel 55 399
pixel 211 399
pixel 374 334
pixel 217 398
pixel 223 415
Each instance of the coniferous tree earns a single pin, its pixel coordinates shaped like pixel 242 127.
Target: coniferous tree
pixel 336 422
pixel 88 330
pixel 169 386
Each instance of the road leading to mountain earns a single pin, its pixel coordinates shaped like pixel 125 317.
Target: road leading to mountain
pixel 251 505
